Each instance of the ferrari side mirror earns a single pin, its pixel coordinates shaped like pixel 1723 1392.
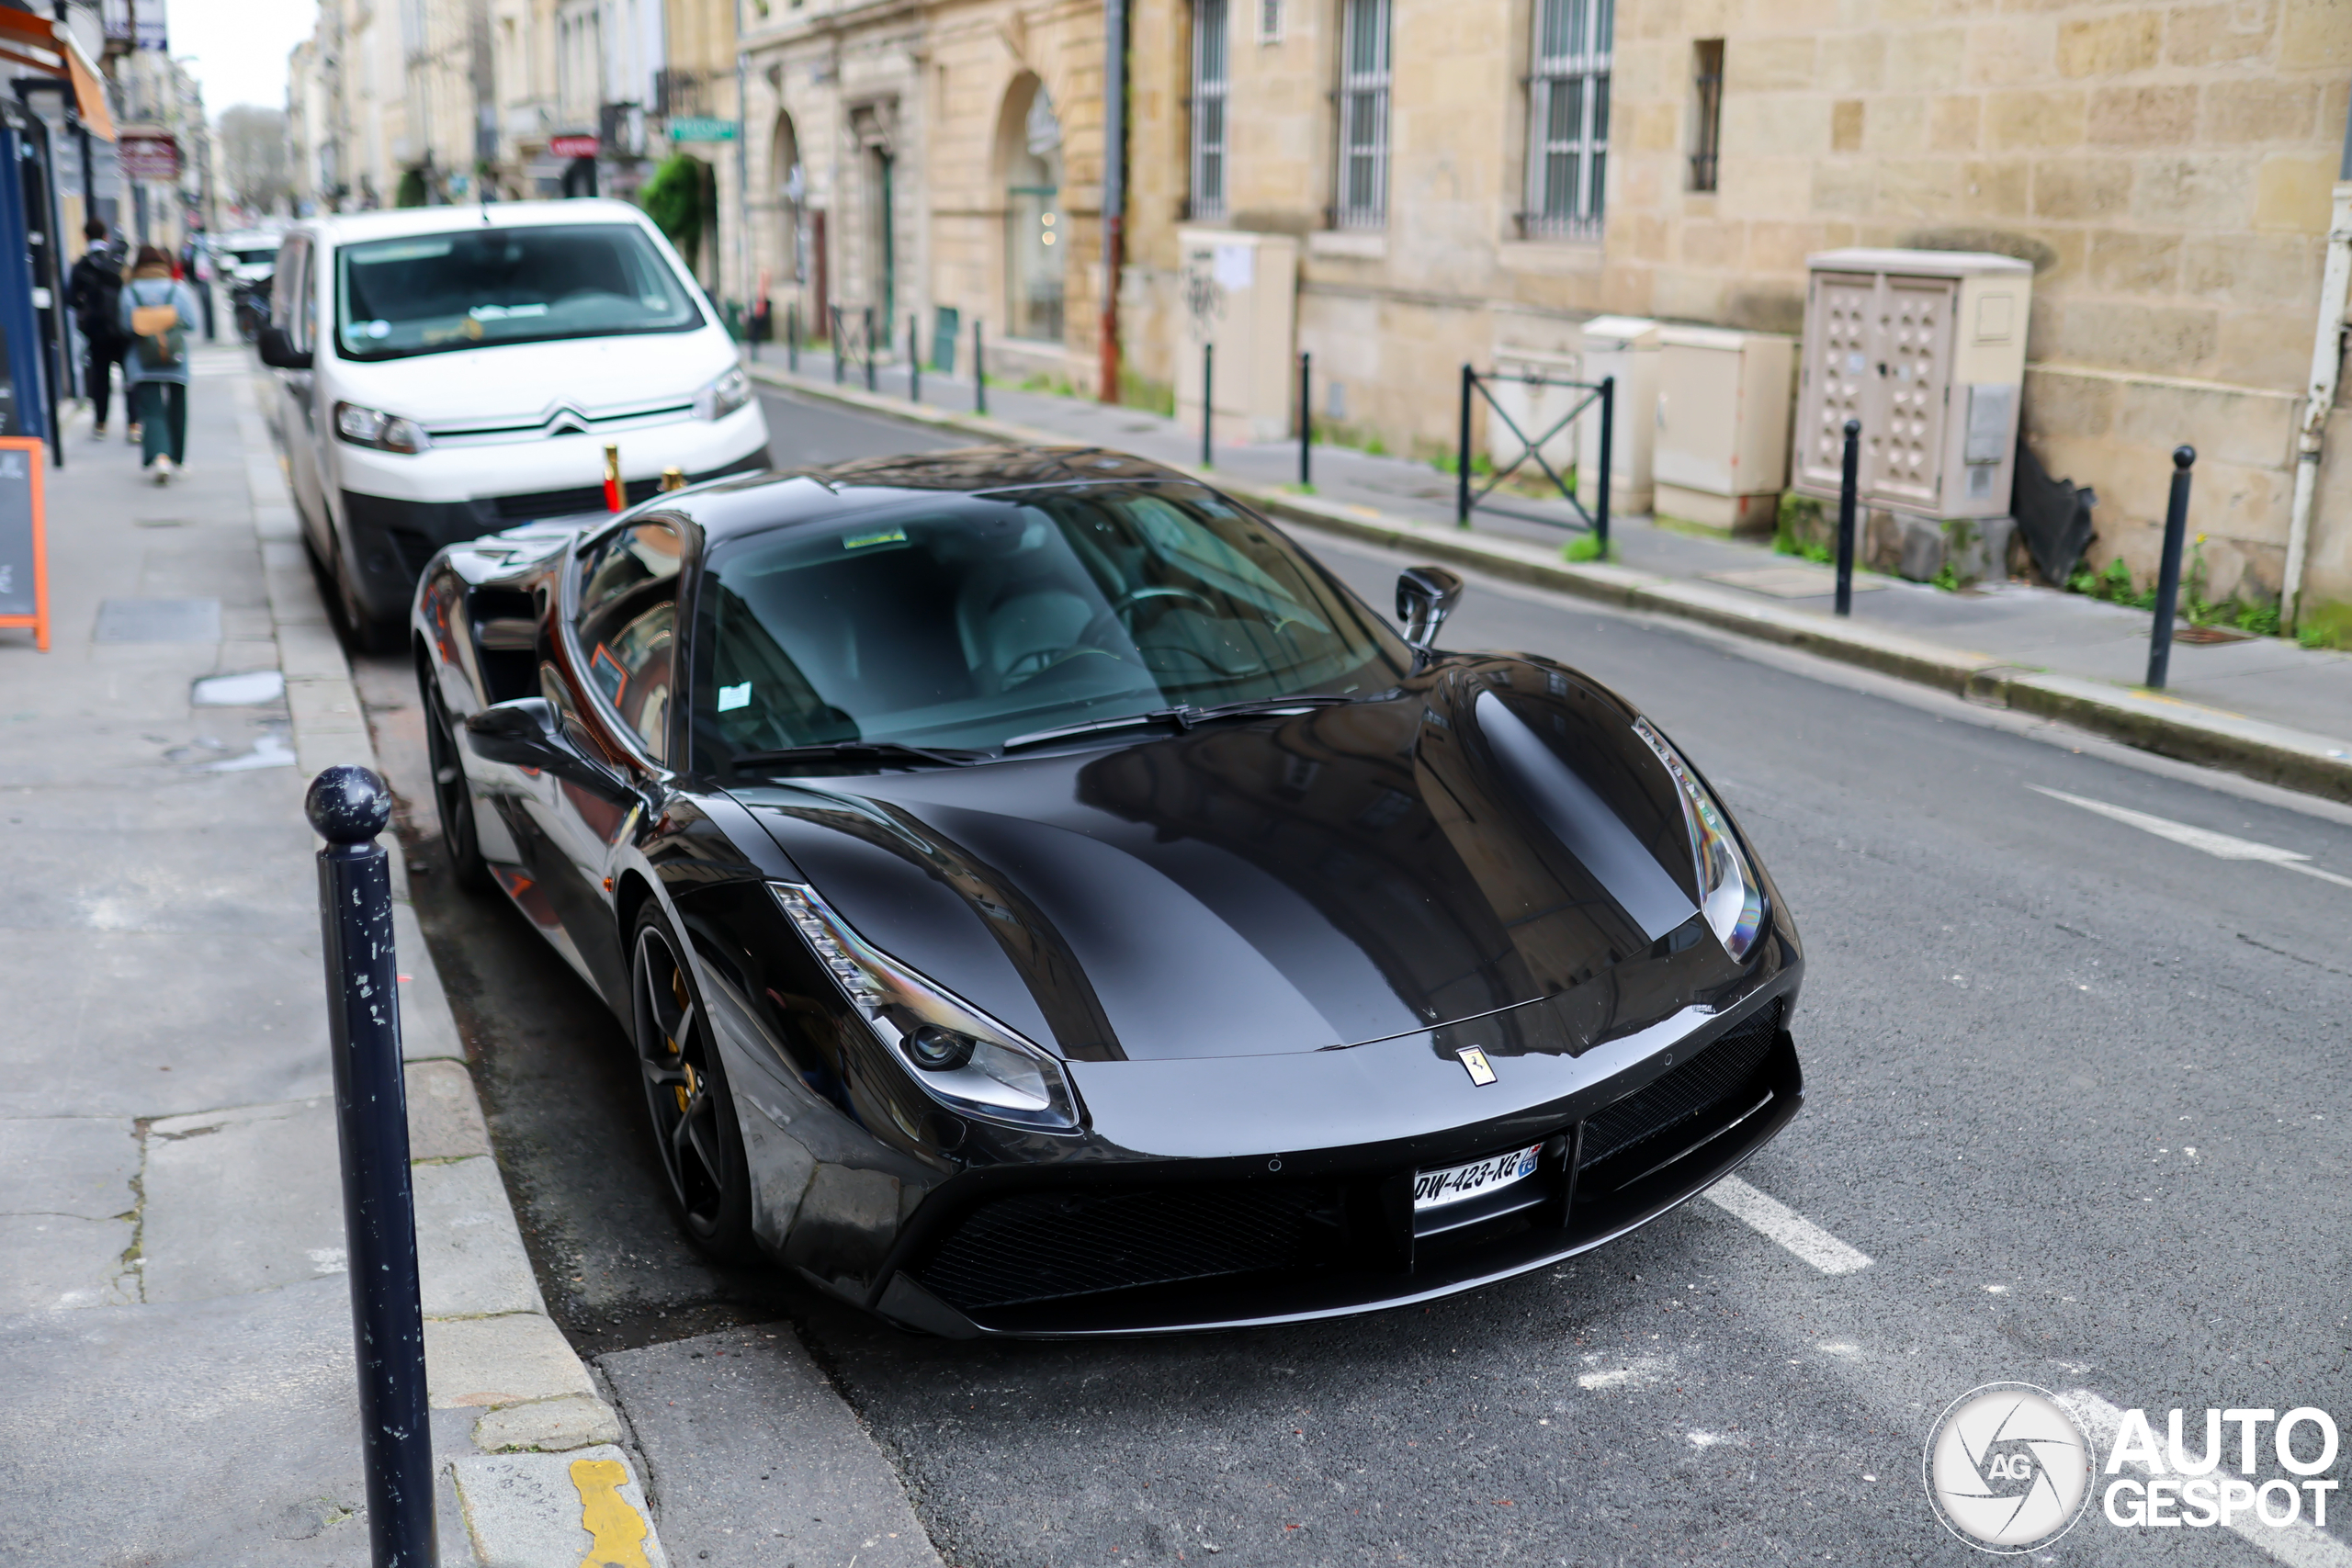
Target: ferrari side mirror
pixel 524 733
pixel 1425 595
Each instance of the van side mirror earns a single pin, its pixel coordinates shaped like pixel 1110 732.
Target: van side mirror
pixel 1425 595
pixel 279 354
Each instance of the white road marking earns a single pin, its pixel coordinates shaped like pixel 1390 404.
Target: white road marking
pixel 2299 1545
pixel 2222 846
pixel 1786 1225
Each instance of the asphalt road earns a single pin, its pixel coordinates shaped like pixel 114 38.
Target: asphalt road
pixel 2077 1089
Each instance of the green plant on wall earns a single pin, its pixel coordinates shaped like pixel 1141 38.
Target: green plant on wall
pixel 411 191
pixel 679 198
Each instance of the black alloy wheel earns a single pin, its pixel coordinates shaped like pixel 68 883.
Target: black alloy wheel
pixel 452 801
pixel 687 1096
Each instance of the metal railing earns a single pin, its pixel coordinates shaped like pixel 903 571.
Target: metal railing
pixel 1477 384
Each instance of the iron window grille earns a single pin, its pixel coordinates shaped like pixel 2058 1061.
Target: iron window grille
pixel 1707 131
pixel 1211 58
pixel 1567 118
pixel 1363 115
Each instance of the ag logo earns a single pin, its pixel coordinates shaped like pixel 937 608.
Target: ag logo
pixel 2007 1468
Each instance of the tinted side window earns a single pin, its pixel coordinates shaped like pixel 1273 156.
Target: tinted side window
pixel 627 625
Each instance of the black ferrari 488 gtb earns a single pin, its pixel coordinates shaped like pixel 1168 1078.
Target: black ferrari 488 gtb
pixel 1044 902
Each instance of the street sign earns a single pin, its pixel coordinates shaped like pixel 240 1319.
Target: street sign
pixel 149 155
pixel 24 541
pixel 571 146
pixel 700 127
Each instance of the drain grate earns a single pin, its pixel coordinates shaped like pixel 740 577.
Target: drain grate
pixel 158 620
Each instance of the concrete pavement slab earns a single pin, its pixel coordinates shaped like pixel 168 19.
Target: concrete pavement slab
pixel 469 1256
pixel 756 1460
pixel 553 1426
pixel 67 1202
pixel 445 1118
pixel 57 1261
pixel 509 1499
pixel 490 1361
pixel 133 1435
pixel 243 1200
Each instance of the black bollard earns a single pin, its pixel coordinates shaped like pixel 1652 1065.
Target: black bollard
pixel 1462 453
pixel 348 806
pixel 979 371
pixel 1208 401
pixel 1306 421
pixel 792 338
pixel 1846 486
pixel 2169 570
pixel 839 365
pixel 914 359
pixel 869 348
pixel 1607 460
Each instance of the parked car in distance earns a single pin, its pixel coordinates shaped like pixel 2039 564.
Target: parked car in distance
pixel 1044 901
pixel 243 261
pixel 449 372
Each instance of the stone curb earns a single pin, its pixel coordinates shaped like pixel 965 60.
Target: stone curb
pixel 490 1346
pixel 2190 732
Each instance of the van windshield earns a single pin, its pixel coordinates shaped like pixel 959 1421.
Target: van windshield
pixel 476 288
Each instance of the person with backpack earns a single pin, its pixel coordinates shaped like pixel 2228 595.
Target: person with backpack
pixel 157 311
pixel 94 293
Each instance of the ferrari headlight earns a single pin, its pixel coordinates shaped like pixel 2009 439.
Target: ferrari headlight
pixel 724 396
pixel 959 1055
pixel 1730 895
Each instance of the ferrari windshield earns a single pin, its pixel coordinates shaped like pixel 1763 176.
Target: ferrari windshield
pixel 969 621
pixel 485 285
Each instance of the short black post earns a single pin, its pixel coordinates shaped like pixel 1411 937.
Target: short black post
pixel 1607 460
pixel 792 337
pixel 979 371
pixel 1462 453
pixel 837 365
pixel 1306 421
pixel 914 358
pixel 1848 482
pixel 869 348
pixel 348 806
pixel 2169 570
pixel 1208 403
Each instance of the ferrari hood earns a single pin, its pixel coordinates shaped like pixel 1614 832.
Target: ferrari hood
pixel 1493 839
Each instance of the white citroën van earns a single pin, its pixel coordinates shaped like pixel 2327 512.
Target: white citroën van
pixel 444 372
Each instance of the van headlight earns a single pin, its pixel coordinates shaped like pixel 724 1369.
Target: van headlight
pixel 958 1055
pixel 384 432
pixel 724 396
pixel 1730 895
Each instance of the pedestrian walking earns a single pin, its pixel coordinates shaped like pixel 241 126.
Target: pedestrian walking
pixel 196 271
pixel 94 293
pixel 157 311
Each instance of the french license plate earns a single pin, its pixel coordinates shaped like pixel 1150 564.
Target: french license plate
pixel 1435 1189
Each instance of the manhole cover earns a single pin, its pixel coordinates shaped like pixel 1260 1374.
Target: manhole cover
pixel 2210 634
pixel 158 620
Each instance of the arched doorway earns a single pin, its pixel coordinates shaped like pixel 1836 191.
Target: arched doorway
pixel 802 230
pixel 1037 240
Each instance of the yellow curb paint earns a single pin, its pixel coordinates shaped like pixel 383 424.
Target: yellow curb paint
pixel 618 1529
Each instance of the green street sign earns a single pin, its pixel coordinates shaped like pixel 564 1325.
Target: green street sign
pixel 698 127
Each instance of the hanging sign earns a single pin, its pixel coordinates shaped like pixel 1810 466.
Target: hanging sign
pixel 700 127
pixel 571 146
pixel 147 155
pixel 23 542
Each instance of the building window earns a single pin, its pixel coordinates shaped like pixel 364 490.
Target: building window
pixel 1568 117
pixel 1269 21
pixel 1036 246
pixel 1364 114
pixel 1210 73
pixel 1707 111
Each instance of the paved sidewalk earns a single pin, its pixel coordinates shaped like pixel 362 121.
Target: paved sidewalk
pixel 2263 706
pixel 175 1358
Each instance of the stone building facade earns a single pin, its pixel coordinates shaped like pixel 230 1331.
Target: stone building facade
pixel 940 164
pixel 1470 179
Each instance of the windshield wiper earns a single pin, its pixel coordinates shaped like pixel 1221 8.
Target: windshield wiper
pixel 1184 717
pixel 860 750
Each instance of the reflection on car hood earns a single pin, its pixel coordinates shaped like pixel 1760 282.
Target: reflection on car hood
pixel 1289 884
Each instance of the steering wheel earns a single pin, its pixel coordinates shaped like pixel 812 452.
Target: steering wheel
pixel 1114 613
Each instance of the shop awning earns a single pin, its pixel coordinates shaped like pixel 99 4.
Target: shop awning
pixel 47 47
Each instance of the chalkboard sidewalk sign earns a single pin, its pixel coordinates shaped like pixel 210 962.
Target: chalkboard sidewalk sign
pixel 24 539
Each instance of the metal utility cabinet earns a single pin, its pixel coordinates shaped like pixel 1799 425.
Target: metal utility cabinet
pixel 1239 291
pixel 1722 426
pixel 1627 348
pixel 1927 348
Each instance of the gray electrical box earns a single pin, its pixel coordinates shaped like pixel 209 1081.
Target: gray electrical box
pixel 1927 348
